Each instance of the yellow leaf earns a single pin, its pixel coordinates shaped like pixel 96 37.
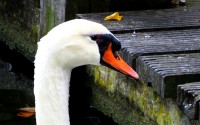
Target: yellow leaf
pixel 114 16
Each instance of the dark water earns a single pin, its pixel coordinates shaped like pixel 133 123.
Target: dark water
pixel 91 117
pixel 19 121
pixel 81 111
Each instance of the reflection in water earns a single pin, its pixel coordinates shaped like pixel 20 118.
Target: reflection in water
pixel 81 111
pixel 92 117
pixel 19 121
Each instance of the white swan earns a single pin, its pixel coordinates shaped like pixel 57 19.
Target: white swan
pixel 68 45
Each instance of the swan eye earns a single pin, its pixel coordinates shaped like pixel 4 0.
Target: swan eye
pixel 94 37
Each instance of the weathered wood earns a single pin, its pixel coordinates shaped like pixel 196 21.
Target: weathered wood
pixel 188 98
pixel 52 13
pixel 174 18
pixel 165 72
pixel 152 42
pixel 163 42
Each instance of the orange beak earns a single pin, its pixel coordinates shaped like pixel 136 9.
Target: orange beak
pixel 118 63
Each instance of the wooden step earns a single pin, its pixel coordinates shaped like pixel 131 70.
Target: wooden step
pixel 188 99
pixel 151 20
pixel 163 46
pixel 154 43
pixel 184 38
pixel 165 72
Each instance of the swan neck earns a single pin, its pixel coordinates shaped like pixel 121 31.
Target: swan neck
pixel 52 94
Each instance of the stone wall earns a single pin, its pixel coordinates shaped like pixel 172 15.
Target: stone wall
pixel 19 25
pixel 130 102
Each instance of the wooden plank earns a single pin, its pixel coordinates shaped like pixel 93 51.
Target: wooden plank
pixel 174 18
pixel 188 98
pixel 157 43
pixel 163 42
pixel 165 72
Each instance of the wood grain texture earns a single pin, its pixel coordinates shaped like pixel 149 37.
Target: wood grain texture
pixel 165 72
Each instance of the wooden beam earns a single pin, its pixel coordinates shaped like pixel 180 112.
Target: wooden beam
pixel 150 20
pixel 165 72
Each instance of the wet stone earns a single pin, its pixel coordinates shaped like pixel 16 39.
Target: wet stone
pixel 13 80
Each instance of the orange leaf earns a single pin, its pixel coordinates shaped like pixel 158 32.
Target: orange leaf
pixel 114 16
pixel 25 114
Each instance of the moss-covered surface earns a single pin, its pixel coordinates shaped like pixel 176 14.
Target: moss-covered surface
pixel 17 38
pixel 50 17
pixel 116 95
pixel 52 13
pixel 117 106
pixel 19 25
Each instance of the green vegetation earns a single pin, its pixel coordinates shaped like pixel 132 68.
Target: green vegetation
pixel 128 101
pixel 50 18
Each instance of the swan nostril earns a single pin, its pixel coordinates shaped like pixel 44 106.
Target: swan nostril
pixel 116 56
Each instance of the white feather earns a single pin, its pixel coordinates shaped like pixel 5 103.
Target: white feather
pixel 66 46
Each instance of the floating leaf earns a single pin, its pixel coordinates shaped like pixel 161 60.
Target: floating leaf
pixel 114 16
pixel 26 112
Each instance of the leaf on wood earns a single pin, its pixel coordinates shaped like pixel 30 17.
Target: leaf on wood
pixel 114 16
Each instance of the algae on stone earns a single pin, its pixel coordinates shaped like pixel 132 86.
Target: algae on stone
pixel 19 25
pixel 139 98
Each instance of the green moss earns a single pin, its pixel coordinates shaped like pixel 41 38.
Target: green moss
pixel 110 78
pixel 18 38
pixel 138 95
pixel 115 106
pixel 50 18
pixel 19 26
pixel 35 32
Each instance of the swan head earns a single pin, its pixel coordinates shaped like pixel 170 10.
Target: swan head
pixel 80 42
